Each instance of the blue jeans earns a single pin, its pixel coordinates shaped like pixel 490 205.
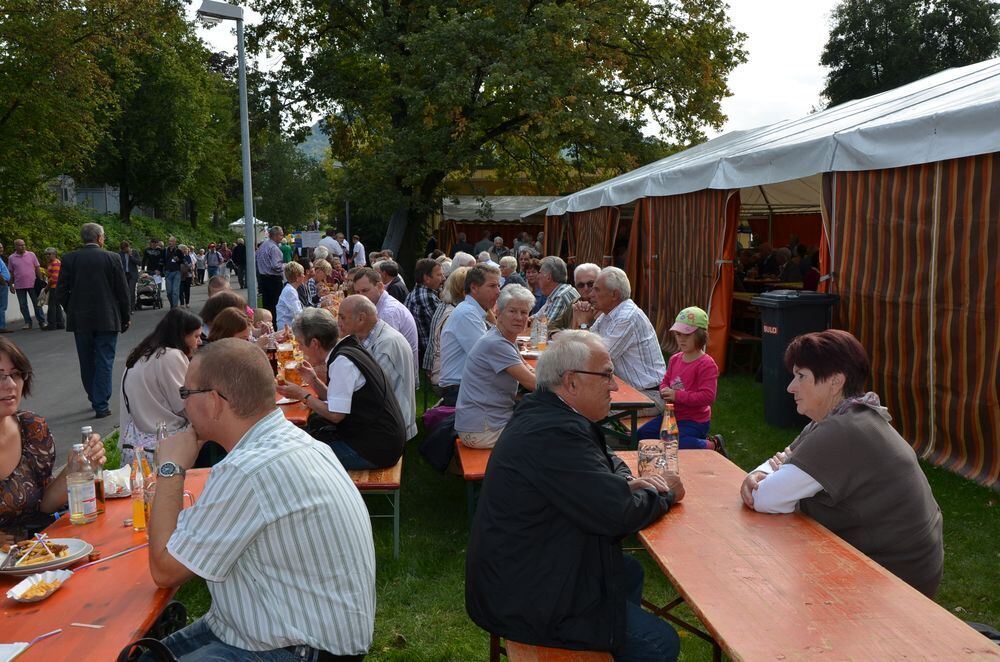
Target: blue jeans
pixel 213 272
pixel 3 306
pixel 96 351
pixel 197 642
pixel 648 638
pixel 173 279
pixel 23 295
pixel 692 434
pixel 348 456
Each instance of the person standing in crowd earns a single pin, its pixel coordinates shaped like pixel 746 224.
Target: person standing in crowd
pixel 286 250
pixel 172 271
pixel 466 325
pixel 226 255
pixel 394 285
pixel 358 317
pixel 544 563
pixel 213 259
pixel 484 244
pixel 289 304
pixel 355 412
pixel 461 245
pixel 240 262
pixel 559 295
pixel 423 301
pixel 92 289
pixel 200 267
pixel 55 318
pixel 187 268
pixel 130 266
pixel 367 282
pixel 152 258
pixel 358 253
pixel 263 606
pixel 331 243
pixel 345 257
pixel 26 270
pixel 498 250
pixel 5 283
pixel 270 266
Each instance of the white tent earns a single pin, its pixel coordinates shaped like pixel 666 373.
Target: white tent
pixel 952 114
pixel 238 224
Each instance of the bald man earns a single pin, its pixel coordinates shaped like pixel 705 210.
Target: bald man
pixel 358 317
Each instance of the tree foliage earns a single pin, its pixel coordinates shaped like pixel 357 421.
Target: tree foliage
pixel 415 90
pixel 877 45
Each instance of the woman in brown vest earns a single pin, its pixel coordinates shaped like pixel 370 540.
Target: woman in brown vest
pixel 849 469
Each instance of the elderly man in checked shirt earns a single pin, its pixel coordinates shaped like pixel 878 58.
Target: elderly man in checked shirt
pixel 627 332
pixel 558 308
pixel 280 533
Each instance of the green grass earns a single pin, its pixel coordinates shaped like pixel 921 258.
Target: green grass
pixel 421 596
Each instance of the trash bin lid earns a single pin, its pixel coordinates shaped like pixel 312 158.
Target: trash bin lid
pixel 793 298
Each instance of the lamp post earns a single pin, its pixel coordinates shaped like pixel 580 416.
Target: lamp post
pixel 213 13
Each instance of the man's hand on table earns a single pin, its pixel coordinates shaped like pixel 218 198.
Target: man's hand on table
pixel 750 484
pixel 181 448
pixel 292 391
pixel 661 484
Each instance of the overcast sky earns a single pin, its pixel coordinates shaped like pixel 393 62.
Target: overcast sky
pixel 781 80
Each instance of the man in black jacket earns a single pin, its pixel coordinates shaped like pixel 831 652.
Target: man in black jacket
pixel 240 262
pixel 544 564
pixel 92 289
pixel 130 265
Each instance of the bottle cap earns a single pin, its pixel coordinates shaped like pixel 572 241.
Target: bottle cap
pixel 86 429
pixel 78 448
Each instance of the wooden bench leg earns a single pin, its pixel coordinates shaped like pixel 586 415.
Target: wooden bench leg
pixel 494 648
pixel 395 524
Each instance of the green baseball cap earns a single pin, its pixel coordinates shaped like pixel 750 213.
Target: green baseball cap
pixel 690 320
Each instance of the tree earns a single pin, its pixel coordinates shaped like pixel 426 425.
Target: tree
pixel 415 90
pixel 288 182
pixel 877 45
pixel 55 95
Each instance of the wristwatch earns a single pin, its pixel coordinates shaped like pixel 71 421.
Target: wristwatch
pixel 169 469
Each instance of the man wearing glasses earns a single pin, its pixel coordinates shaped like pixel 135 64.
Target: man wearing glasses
pixel 584 277
pixel 544 564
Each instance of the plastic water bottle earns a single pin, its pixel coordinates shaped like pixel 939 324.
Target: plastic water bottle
pixel 80 488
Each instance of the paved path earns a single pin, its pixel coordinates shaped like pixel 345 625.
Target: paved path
pixel 58 394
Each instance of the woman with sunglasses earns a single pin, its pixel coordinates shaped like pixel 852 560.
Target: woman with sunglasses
pixel 154 372
pixel 29 493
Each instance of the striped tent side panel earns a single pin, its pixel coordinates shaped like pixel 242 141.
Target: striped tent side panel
pixel 590 228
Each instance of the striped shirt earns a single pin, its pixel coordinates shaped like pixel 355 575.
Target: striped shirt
pixel 270 260
pixel 53 272
pixel 399 317
pixel 632 344
pixel 283 538
pixel 558 305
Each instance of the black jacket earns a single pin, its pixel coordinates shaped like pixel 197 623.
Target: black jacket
pixel 240 255
pixel 397 289
pixel 544 561
pixel 134 262
pixel 93 290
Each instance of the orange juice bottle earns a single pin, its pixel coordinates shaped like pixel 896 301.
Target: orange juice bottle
pixel 138 494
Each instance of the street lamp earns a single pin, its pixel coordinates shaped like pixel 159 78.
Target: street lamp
pixel 213 13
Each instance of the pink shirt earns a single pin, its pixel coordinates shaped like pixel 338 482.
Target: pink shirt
pixel 695 383
pixel 23 268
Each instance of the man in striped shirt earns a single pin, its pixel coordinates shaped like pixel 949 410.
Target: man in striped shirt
pixel 280 533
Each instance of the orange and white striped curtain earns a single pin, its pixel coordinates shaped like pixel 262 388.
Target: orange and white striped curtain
pixel 592 236
pixel 914 255
pixel 555 229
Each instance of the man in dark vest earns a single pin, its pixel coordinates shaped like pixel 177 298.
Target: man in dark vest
pixel 355 412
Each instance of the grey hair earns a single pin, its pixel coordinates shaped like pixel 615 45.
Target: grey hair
pixel 317 323
pixel 617 280
pixel 463 259
pixel 508 261
pixel 273 230
pixel 570 350
pixel 484 256
pixel 586 266
pixel 51 251
pixel 517 293
pixel 91 232
pixel 554 267
pixel 321 253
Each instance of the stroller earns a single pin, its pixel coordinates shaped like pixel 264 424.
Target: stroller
pixel 147 292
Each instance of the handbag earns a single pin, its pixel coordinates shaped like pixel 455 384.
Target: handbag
pixel 43 298
pixel 146 648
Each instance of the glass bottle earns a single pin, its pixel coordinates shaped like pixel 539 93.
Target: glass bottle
pixel 85 433
pixel 671 439
pixel 138 485
pixel 80 488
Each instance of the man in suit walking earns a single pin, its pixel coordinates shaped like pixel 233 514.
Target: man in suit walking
pixel 130 264
pixel 93 291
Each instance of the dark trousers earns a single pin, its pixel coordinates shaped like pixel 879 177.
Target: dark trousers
pixel 201 277
pixel 54 314
pixel 241 276
pixel 23 296
pixel 96 352
pixel 185 291
pixel 130 281
pixel 647 637
pixel 270 290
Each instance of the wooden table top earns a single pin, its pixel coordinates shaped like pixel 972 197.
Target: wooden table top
pixel 296 412
pixel 119 594
pixel 625 398
pixel 783 587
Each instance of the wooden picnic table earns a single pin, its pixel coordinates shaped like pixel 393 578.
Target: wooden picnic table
pixel 626 401
pixel 119 594
pixel 783 587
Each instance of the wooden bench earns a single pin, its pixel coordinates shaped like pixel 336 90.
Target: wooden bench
pixel 383 481
pixel 738 339
pixel 517 652
pixel 472 462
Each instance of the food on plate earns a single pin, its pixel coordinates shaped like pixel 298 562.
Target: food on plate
pixel 40 589
pixel 33 552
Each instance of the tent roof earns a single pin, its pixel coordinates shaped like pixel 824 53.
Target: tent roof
pixel 949 115
pixel 501 208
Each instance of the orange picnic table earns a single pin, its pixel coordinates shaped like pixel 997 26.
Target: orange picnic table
pixel 297 412
pixel 626 401
pixel 118 595
pixel 783 587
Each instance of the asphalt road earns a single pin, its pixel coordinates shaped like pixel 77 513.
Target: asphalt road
pixel 58 394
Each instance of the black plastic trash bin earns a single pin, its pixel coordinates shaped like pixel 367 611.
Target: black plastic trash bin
pixel 784 315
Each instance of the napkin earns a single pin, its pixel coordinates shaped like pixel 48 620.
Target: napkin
pixel 118 482
pixel 10 651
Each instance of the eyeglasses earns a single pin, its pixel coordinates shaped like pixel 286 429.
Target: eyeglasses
pixel 14 376
pixel 188 392
pixel 608 375
pixel 588 285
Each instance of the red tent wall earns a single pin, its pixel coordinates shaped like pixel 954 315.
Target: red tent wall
pixel 783 226
pixel 474 231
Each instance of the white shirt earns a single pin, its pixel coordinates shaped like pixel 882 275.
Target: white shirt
pixel 781 490
pixel 344 381
pixel 359 255
pixel 633 345
pixel 393 354
pixel 344 252
pixel 283 538
pixel 332 245
pixel 288 307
